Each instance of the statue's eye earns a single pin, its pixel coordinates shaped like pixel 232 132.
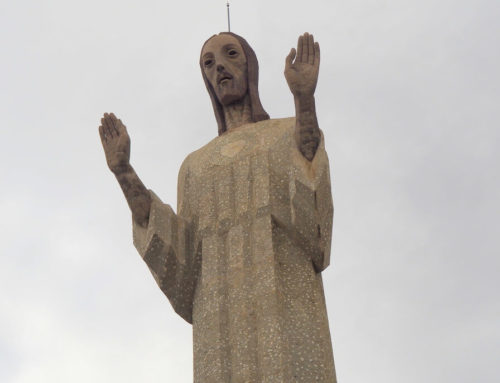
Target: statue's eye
pixel 232 52
pixel 208 62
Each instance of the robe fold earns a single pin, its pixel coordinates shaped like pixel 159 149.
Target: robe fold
pixel 241 259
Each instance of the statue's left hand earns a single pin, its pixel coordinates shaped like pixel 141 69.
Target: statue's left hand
pixel 302 74
pixel 116 143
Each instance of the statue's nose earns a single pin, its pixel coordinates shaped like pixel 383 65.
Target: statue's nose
pixel 220 67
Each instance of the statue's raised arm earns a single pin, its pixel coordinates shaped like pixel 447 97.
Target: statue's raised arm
pixel 116 143
pixel 160 236
pixel 302 77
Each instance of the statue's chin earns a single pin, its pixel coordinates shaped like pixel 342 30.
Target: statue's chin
pixel 226 101
pixel 231 96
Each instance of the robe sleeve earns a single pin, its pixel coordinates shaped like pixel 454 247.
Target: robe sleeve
pixel 312 204
pixel 165 246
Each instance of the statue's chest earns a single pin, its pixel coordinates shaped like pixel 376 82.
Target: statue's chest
pixel 239 178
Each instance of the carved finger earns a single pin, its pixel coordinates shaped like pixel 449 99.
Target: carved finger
pixel 316 55
pixel 121 126
pixel 299 49
pixel 305 47
pixel 108 126
pixel 102 135
pixel 112 123
pixel 103 129
pixel 115 124
pixel 289 58
pixel 310 58
pixel 104 124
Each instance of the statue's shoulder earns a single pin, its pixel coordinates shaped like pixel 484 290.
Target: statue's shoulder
pixel 187 164
pixel 195 158
pixel 277 127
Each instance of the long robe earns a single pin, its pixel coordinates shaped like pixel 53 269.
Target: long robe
pixel 241 259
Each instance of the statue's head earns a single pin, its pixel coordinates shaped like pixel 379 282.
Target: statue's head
pixel 231 73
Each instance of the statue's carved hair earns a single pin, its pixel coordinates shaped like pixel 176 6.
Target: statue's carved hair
pixel 258 112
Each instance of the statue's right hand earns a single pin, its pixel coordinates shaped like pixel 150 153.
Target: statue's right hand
pixel 116 143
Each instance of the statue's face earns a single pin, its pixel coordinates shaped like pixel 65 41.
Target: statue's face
pixel 225 67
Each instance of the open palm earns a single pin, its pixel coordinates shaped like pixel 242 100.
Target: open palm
pixel 302 74
pixel 116 142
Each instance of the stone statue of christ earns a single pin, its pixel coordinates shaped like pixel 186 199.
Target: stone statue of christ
pixel 241 260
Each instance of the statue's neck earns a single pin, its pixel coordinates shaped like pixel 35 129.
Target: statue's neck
pixel 238 114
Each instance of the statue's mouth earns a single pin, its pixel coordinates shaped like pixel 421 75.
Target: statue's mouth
pixel 224 78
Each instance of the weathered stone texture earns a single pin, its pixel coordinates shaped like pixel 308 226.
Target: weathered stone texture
pixel 241 259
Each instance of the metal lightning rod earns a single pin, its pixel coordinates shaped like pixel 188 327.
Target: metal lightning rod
pixel 228 18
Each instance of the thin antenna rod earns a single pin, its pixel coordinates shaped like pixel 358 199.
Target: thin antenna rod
pixel 228 18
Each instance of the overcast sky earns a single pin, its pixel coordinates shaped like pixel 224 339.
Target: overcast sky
pixel 408 99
